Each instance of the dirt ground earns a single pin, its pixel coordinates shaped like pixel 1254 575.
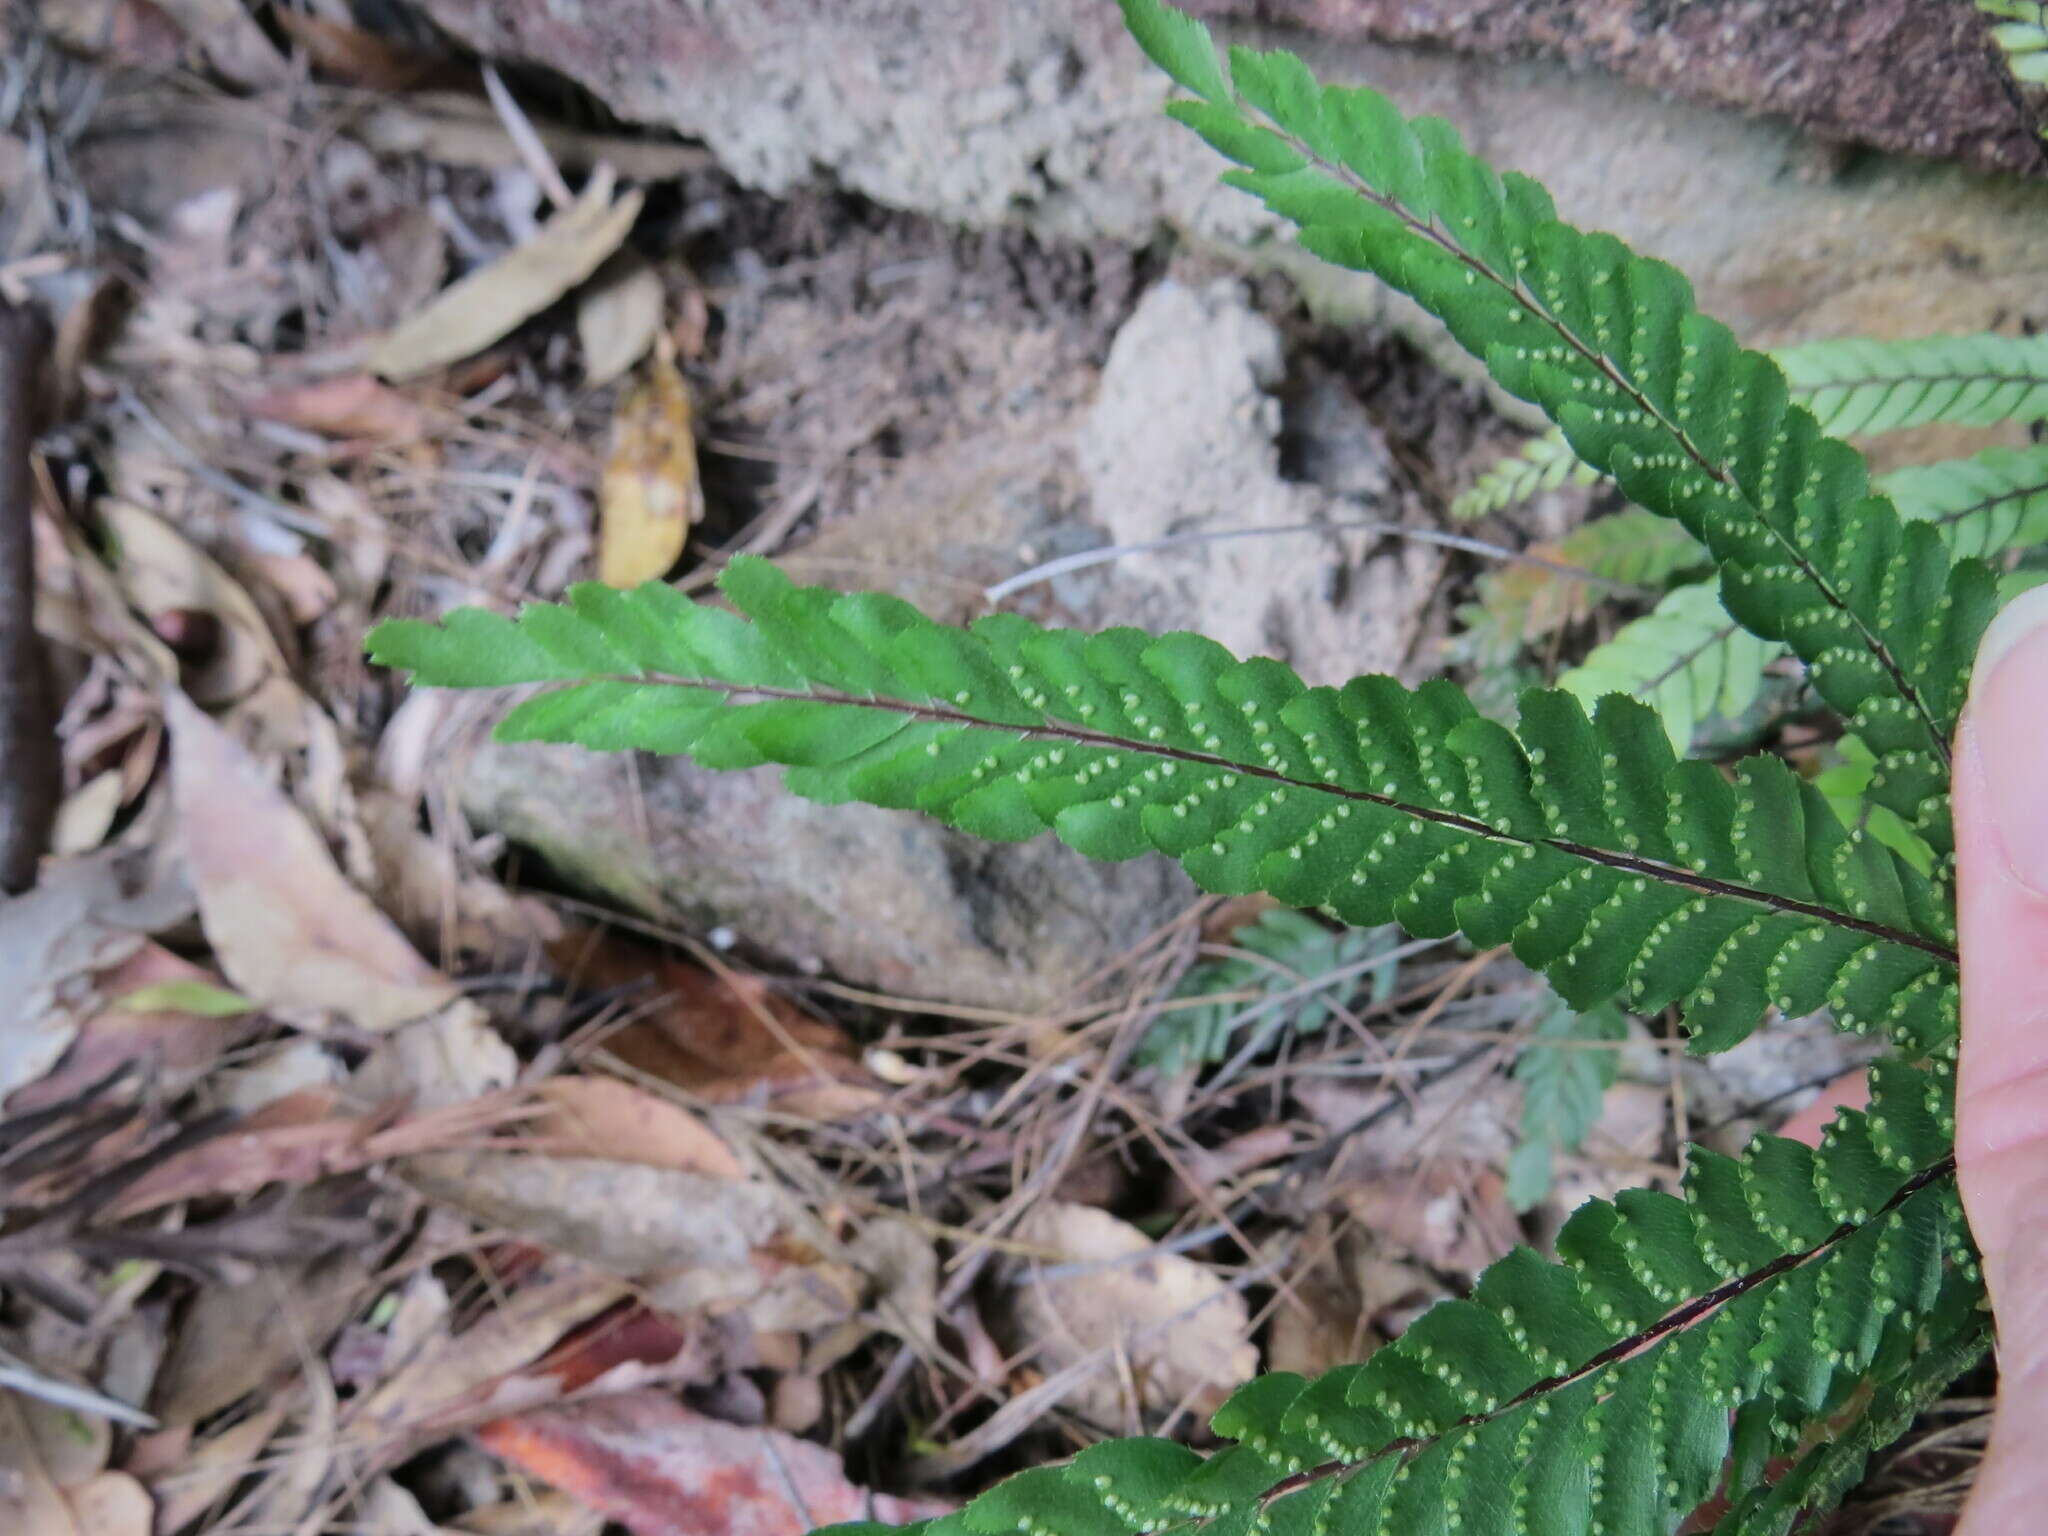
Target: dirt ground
pixel 403 1135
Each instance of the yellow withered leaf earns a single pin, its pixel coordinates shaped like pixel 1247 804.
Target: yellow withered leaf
pixel 650 494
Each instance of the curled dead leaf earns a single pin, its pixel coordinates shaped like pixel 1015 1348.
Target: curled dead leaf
pixel 602 1117
pixel 650 495
pixel 168 578
pixel 287 928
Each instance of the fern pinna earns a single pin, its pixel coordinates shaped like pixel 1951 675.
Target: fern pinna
pixel 1751 1337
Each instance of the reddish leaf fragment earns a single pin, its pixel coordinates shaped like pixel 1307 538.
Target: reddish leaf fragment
pixel 659 1469
pixel 723 1038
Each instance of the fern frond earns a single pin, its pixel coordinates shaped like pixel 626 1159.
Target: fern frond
pixel 1543 463
pixel 1781 1293
pixel 1955 1339
pixel 1689 661
pixel 1985 505
pixel 1610 867
pixel 1632 546
pixel 1564 1076
pixel 1859 387
pixel 1685 658
pixel 1519 604
pixel 1647 390
pixel 1855 388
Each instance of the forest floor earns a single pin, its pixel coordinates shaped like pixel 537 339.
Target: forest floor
pixel 371 1163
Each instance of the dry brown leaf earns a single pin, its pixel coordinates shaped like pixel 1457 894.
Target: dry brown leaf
pixel 723 1039
pixel 1180 1333
pixel 478 309
pixel 355 405
pixel 602 1117
pixel 617 316
pixel 173 1047
pixel 212 1468
pixel 660 1469
pixel 82 916
pixel 447 1383
pixel 650 495
pixel 234 1339
pixel 165 576
pixel 286 927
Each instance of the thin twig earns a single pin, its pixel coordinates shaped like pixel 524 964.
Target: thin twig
pixel 519 128
pixel 1046 570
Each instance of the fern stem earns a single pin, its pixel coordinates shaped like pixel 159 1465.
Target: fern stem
pixel 1649 869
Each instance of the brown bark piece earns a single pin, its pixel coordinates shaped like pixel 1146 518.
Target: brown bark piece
pixel 31 783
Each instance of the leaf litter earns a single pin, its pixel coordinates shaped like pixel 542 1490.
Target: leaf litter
pixel 363 1174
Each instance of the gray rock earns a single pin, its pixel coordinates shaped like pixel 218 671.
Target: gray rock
pixel 1015 462
pixel 1183 441
pixel 885 899
pixel 1046 115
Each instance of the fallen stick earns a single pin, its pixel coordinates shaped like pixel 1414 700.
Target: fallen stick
pixel 31 771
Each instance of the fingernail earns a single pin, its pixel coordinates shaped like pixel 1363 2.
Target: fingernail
pixel 2009 732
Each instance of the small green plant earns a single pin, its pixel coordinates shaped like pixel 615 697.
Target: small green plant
pixel 1565 1070
pixel 1288 970
pixel 1753 1337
